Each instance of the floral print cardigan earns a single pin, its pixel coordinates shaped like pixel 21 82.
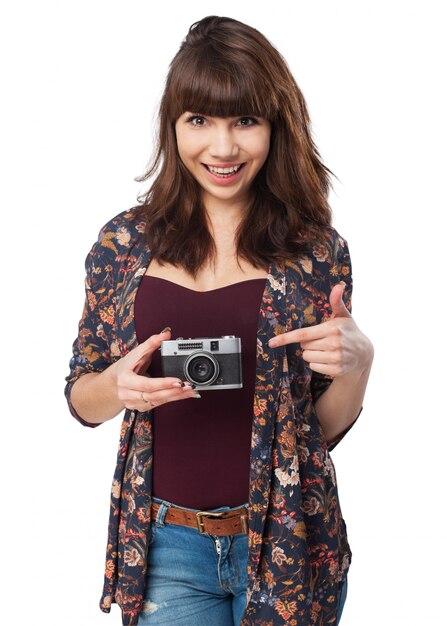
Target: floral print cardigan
pixel 299 554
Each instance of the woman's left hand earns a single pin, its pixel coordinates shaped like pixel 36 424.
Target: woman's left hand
pixel 334 347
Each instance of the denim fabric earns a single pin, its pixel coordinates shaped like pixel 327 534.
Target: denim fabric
pixel 343 594
pixel 196 579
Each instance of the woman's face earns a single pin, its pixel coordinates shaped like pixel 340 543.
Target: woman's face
pixel 224 154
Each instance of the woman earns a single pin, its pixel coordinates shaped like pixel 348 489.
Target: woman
pixel 225 511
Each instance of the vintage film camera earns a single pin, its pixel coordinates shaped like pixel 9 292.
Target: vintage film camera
pixel 208 362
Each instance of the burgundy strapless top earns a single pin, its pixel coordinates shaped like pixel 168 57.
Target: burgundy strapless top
pixel 201 447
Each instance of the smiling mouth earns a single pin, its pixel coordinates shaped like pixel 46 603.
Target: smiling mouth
pixel 224 172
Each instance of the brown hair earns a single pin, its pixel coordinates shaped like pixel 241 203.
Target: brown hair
pixel 225 68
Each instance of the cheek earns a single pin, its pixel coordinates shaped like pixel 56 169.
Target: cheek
pixel 183 143
pixel 260 146
pixel 182 146
pixel 189 145
pixel 266 147
pixel 260 156
pixel 265 152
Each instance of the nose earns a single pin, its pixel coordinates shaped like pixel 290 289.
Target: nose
pixel 223 144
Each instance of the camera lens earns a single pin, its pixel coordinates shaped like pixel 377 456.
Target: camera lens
pixel 201 369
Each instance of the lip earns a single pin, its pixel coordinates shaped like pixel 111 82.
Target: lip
pixel 223 164
pixel 228 180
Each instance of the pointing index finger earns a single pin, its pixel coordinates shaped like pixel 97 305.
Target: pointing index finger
pixel 299 335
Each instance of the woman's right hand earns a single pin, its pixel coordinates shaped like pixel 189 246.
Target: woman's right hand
pixel 141 392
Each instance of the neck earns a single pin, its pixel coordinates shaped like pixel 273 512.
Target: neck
pixel 223 215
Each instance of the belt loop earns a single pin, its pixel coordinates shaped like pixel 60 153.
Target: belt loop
pixel 161 514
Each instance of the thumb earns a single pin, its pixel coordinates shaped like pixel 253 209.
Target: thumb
pixel 336 300
pixel 141 355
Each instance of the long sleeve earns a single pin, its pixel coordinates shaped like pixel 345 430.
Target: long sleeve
pixel 92 346
pixel 337 268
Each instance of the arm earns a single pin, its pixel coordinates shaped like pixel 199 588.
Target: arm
pixel 102 383
pixel 101 396
pixel 338 396
pixel 94 396
pixel 91 349
pixel 339 354
pixel 339 407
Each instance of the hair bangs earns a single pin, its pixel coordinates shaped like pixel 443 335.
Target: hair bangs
pixel 222 90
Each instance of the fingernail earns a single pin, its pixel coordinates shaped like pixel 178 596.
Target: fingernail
pixel 197 395
pixel 177 384
pixel 272 343
pixel 189 385
pixel 342 282
pixel 165 330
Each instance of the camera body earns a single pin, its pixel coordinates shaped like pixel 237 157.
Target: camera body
pixel 208 362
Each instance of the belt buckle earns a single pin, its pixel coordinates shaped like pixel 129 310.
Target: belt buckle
pixel 199 514
pixel 201 527
pixel 244 517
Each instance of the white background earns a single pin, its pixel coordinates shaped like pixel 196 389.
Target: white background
pixel 80 83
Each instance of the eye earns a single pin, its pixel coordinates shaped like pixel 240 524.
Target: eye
pixel 247 121
pixel 196 120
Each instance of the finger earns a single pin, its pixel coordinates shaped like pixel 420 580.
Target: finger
pixel 322 368
pixel 300 334
pixel 337 303
pixel 158 398
pixel 284 339
pixel 147 348
pixel 148 401
pixel 327 343
pixel 144 359
pixel 148 384
pixel 321 357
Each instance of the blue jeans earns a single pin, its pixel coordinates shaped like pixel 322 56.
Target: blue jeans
pixel 194 579
pixel 343 594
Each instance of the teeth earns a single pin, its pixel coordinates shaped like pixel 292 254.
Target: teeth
pixel 224 170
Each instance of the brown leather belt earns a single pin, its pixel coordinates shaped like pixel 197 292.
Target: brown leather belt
pixel 215 523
